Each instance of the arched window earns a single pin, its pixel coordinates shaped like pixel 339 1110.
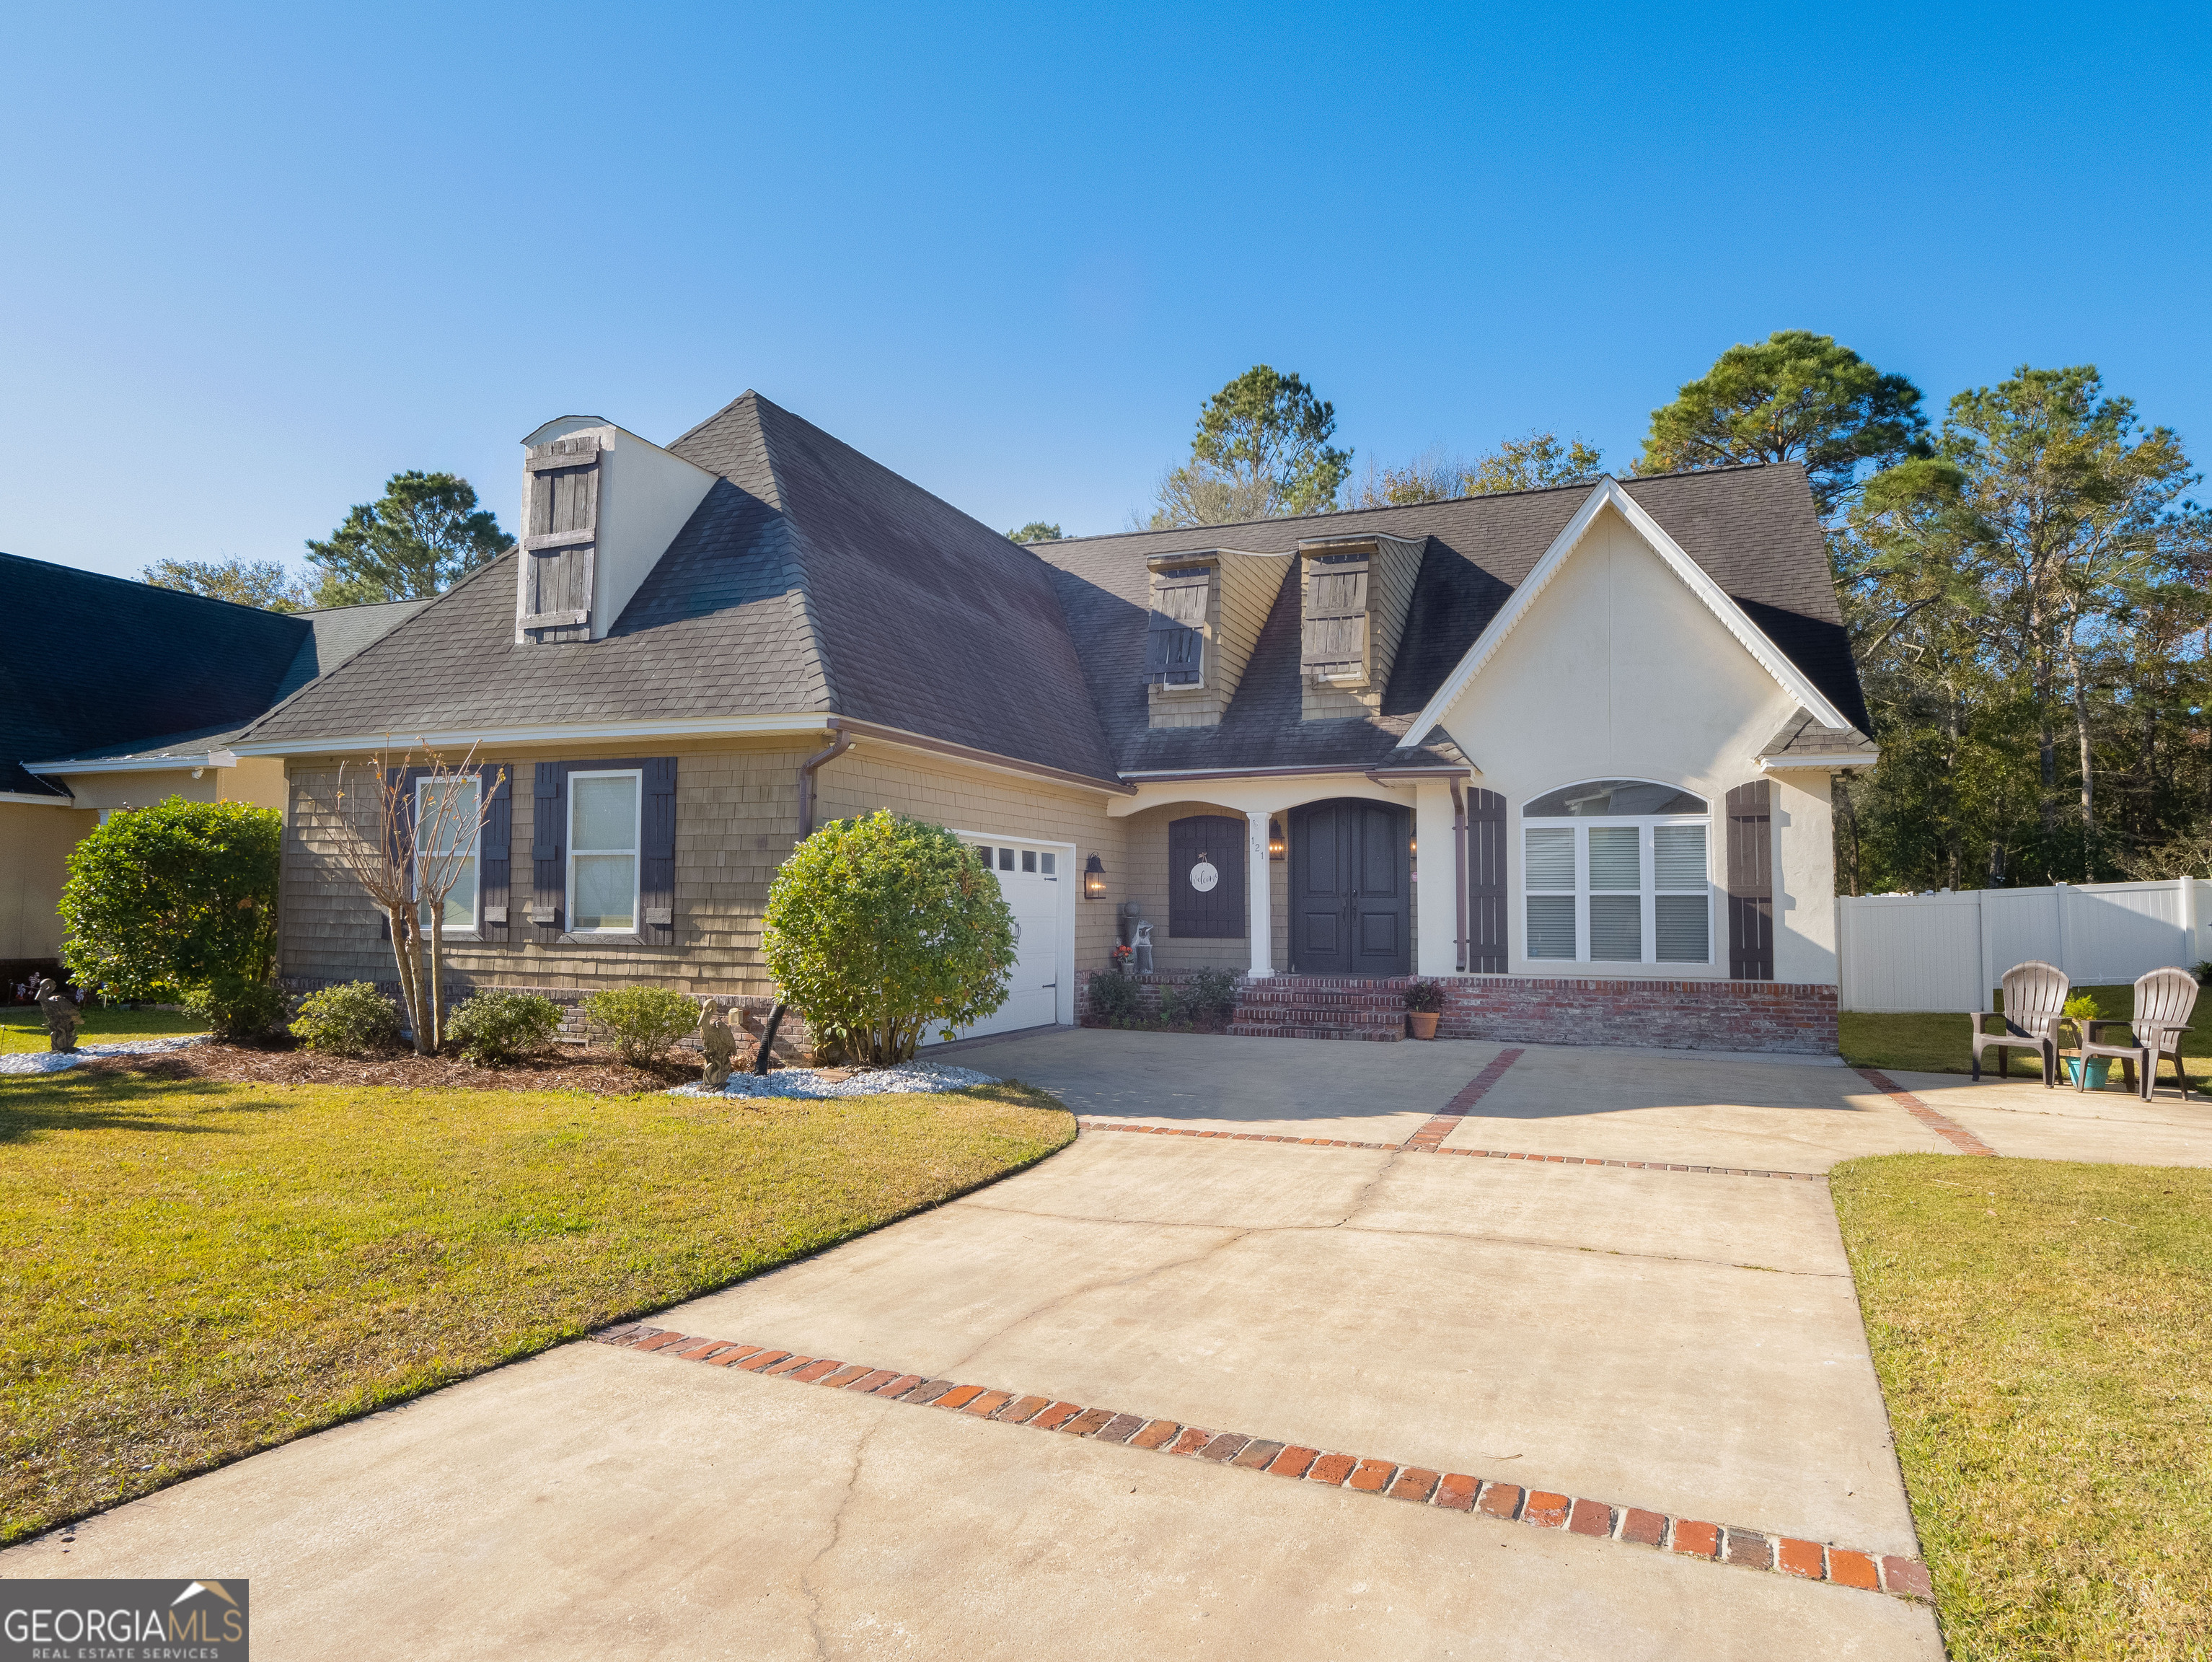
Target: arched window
pixel 1618 871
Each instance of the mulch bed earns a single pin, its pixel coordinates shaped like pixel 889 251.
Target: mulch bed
pixel 590 1068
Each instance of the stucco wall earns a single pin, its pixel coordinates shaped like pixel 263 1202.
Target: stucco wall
pixel 737 815
pixel 1619 671
pixel 34 845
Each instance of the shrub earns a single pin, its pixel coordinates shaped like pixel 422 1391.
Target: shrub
pixel 1425 995
pixel 237 1007
pixel 1211 995
pixel 1112 998
pixel 165 900
pixel 348 1020
pixel 645 1020
pixel 882 927
pixel 496 1028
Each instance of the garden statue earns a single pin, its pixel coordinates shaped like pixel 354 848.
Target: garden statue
pixel 1143 950
pixel 719 1043
pixel 62 1016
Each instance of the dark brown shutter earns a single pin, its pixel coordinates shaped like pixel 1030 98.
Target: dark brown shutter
pixel 560 541
pixel 1219 913
pixel 495 852
pixel 1175 636
pixel 656 881
pixel 402 832
pixel 1332 633
pixel 1485 882
pixel 549 836
pixel 1750 883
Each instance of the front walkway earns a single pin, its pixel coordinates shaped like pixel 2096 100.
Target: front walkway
pixel 1603 1350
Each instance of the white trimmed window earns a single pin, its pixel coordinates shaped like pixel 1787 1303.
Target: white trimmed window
pixel 1618 871
pixel 604 828
pixel 451 832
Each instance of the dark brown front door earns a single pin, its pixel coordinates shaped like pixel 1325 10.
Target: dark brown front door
pixel 1351 889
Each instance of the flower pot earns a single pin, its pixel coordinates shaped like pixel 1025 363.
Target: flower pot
pixel 1422 1022
pixel 2100 1069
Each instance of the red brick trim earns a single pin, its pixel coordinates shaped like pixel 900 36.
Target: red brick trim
pixel 1941 1124
pixel 1473 1154
pixel 1431 1136
pixel 1448 1491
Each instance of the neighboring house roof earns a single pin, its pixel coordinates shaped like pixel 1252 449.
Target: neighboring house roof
pixel 1805 741
pixel 1752 530
pixel 812 583
pixel 105 669
pixel 809 581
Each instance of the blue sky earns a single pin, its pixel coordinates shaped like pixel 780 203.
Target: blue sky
pixel 257 259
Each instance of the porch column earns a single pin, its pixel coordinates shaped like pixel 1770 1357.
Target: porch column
pixel 1259 926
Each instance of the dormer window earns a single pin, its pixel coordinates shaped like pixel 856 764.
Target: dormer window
pixel 1334 639
pixel 1174 644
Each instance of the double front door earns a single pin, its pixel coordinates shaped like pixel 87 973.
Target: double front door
pixel 1352 881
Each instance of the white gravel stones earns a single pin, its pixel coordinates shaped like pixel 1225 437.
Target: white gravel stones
pixel 808 1082
pixel 55 1061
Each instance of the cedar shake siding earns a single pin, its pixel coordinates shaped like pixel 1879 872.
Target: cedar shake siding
pixel 736 818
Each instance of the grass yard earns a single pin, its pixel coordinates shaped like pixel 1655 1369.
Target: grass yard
pixel 196 1269
pixel 2043 1331
pixel 22 1028
pixel 1936 1043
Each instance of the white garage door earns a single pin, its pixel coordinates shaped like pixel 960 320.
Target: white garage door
pixel 1034 877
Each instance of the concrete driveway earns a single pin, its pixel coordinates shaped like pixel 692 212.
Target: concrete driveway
pixel 1514 1306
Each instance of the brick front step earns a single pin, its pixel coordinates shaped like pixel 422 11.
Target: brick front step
pixel 1320 1029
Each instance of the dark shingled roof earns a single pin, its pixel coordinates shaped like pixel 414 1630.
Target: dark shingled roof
pixel 810 579
pixel 1752 530
pixel 95 662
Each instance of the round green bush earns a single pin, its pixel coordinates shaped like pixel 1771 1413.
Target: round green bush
pixel 347 1021
pixel 646 1021
pixel 496 1028
pixel 236 1006
pixel 881 927
pixel 1111 996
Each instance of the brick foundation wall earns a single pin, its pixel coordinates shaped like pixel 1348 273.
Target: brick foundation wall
pixel 1698 1015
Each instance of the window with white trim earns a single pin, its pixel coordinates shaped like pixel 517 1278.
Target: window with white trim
pixel 1618 871
pixel 448 825
pixel 604 824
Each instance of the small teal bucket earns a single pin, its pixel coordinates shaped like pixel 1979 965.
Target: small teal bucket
pixel 2100 1069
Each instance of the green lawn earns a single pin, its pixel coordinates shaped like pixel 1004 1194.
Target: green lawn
pixel 2043 1331
pixel 1936 1043
pixel 22 1028
pixel 195 1270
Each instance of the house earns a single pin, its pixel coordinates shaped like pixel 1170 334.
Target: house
pixel 116 695
pixel 1569 750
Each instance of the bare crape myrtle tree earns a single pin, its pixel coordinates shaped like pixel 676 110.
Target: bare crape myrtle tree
pixel 409 832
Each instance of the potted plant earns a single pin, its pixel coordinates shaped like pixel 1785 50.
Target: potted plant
pixel 1424 1002
pixel 2081 1008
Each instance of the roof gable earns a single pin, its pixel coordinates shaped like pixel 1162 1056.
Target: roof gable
pixel 1608 493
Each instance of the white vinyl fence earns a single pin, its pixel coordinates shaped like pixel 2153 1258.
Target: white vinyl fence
pixel 1946 952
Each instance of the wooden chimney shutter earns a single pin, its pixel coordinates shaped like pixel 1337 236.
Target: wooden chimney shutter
pixel 1332 634
pixel 549 838
pixel 1486 843
pixel 656 881
pixel 495 854
pixel 560 541
pixel 1750 883
pixel 1175 641
pixel 1217 913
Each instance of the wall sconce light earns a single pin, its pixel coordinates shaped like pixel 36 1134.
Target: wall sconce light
pixel 1094 879
pixel 1276 849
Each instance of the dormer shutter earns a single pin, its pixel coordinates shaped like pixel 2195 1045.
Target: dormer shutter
pixel 559 540
pixel 1333 638
pixel 1175 642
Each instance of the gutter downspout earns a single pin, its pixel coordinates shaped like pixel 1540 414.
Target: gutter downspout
pixel 763 1059
pixel 1459 875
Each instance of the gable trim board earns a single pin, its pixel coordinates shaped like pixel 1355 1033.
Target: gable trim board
pixel 1608 493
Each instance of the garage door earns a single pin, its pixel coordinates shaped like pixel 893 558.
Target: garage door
pixel 1032 876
